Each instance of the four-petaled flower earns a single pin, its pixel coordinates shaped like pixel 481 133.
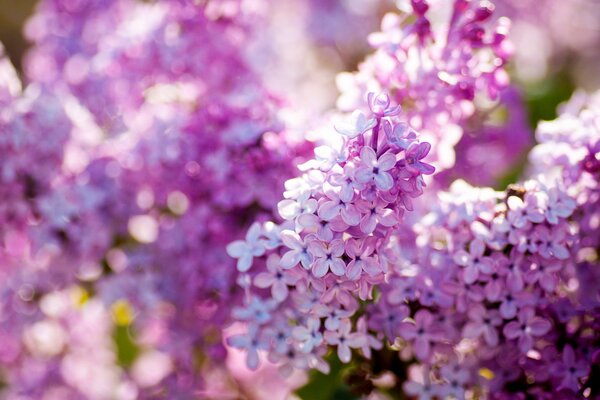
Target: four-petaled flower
pixel 344 340
pixel 569 370
pixel 373 213
pixel 422 333
pixel 252 342
pixel 335 205
pixel 483 322
pixel 474 261
pixel 357 124
pixel 526 328
pixel 400 136
pixel 360 253
pixel 298 252
pixel 246 250
pixel 558 205
pixel 275 278
pixel 375 169
pixel 413 156
pixel 290 209
pixel 309 334
pixel 328 257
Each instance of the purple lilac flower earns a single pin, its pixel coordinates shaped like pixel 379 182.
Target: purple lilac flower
pixel 131 191
pixel 432 67
pixel 342 240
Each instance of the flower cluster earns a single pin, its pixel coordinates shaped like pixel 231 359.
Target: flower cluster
pixel 331 252
pixel 433 65
pixel 33 126
pixel 568 151
pixel 159 159
pixel 147 250
pixel 487 292
pixel 500 294
pixel 485 266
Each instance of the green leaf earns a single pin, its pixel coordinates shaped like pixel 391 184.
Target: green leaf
pixel 328 387
pixel 127 349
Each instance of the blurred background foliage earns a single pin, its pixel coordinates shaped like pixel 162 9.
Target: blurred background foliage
pixel 13 14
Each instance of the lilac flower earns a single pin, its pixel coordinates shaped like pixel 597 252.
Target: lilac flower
pixel 252 343
pixel 401 136
pixel 361 260
pixel 494 283
pixel 423 390
pixel 422 332
pixel 338 290
pixel 380 105
pixel 289 361
pixel 557 205
pixel 512 267
pixel 523 212
pixel 544 273
pixel 526 329
pixel 374 213
pixel 375 169
pixel 569 370
pixel 549 243
pixel 298 252
pixel 402 289
pixel 474 261
pixel 357 125
pixel 325 230
pixel 257 310
pixel 334 206
pixel 371 341
pixel 388 319
pixel 246 250
pixel 309 335
pixel 290 209
pixel 327 258
pixel 414 154
pixel 279 334
pixel 346 182
pixel 276 279
pixel 483 323
pixel 512 300
pixel 345 340
pixel 464 293
pixel 333 315
pixel 457 378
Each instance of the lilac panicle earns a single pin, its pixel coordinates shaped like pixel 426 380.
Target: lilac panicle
pixel 130 161
pixel 339 217
pixel 507 280
pixel 433 67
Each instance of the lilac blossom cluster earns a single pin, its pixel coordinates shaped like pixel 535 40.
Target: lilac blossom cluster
pixel 33 126
pixel 433 63
pixel 479 292
pixel 490 293
pixel 500 296
pixel 305 278
pixel 144 143
pixel 489 287
pixel 157 146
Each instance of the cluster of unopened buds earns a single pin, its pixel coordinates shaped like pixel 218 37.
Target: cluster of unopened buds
pixel 331 251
